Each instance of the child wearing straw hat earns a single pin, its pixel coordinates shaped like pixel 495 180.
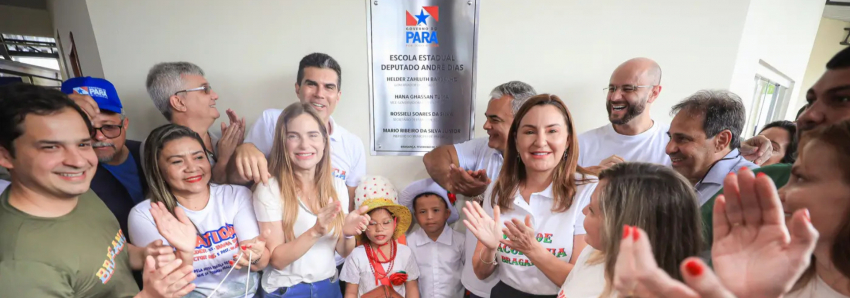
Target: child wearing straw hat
pixel 381 265
pixel 438 250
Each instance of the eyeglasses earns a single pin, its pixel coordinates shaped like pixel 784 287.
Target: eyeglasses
pixel 625 88
pixel 109 130
pixel 386 224
pixel 206 88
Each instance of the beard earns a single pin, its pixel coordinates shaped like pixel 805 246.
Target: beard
pixel 105 158
pixel 632 111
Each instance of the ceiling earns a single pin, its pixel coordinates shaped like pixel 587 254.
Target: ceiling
pixel 837 9
pixel 34 4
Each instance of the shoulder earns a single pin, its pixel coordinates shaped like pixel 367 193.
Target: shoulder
pixel 225 192
pixel 142 208
pixel 472 144
pixel 458 238
pixel 271 114
pixel 346 135
pixel 591 134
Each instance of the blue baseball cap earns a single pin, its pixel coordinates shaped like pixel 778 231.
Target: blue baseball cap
pixel 102 91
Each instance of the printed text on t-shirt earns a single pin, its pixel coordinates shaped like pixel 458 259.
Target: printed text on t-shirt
pixel 508 252
pixel 112 251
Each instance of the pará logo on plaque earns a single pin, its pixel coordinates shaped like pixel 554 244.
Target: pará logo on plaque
pixel 416 34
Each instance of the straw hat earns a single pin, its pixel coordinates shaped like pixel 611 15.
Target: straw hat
pixel 427 186
pixel 377 192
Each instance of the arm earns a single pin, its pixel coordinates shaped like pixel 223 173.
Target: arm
pixel 438 164
pixel 411 289
pixel 283 254
pixel 345 246
pixel 247 165
pixel 482 270
pixel 147 240
pixel 351 290
pixel 247 230
pixel 357 171
pixel 350 198
pixel 555 269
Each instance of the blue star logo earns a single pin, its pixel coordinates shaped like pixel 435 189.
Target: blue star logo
pixel 421 17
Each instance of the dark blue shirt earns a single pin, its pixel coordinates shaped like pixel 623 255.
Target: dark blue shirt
pixel 128 174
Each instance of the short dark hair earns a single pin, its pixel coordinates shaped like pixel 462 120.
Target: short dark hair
pixel 428 194
pixel 721 110
pixel 320 60
pixel 19 100
pixel 791 128
pixel 840 60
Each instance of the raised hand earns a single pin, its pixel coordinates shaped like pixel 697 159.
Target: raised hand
pixel 757 149
pixel 521 236
pixel 753 253
pixel 231 136
pixel 251 164
pixel 356 221
pixel 252 248
pixel 179 231
pixel 162 254
pixel 610 162
pixel 467 182
pixel 488 230
pixel 86 103
pixel 636 273
pixel 170 280
pixel 326 216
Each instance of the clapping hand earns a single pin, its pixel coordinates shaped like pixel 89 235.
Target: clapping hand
pixel 488 230
pixel 356 221
pixel 326 216
pixel 231 135
pixel 179 232
pixel 170 280
pixel 252 248
pixel 162 254
pixel 521 236
pixel 467 182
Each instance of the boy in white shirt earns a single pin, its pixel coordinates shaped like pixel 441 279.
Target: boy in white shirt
pixel 438 249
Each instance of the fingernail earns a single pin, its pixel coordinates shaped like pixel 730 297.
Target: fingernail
pixel 243 247
pixel 635 233
pixel 744 168
pixel 625 231
pixel 807 215
pixel 693 268
pixel 760 174
pixel 231 262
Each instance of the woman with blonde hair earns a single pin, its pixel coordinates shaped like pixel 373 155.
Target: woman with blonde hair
pixel 652 197
pixel 217 231
pixel 302 210
pixel 541 191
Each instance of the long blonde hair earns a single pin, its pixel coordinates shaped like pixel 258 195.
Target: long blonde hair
pixel 513 170
pixel 280 166
pixel 658 200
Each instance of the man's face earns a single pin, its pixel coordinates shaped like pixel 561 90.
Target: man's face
pixel 828 101
pixel 499 118
pixel 320 88
pixel 624 105
pixel 109 139
pixel 199 104
pixel 691 152
pixel 54 156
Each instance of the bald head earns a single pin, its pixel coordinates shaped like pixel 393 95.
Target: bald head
pixel 643 71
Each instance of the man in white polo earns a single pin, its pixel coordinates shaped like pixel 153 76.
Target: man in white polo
pixel 469 167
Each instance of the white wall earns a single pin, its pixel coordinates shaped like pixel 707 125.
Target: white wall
pixel 25 21
pixel 73 16
pixel 826 45
pixel 780 33
pixel 251 50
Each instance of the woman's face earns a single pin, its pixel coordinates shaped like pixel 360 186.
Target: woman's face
pixel 184 165
pixel 304 142
pixel 818 184
pixel 381 227
pixel 780 139
pixel 541 138
pixel 593 219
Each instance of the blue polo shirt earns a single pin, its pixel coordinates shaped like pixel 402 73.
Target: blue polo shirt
pixel 713 180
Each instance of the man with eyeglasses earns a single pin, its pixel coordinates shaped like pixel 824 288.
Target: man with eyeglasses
pixel 632 135
pixel 118 181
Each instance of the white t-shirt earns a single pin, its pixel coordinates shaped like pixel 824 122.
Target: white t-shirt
pixel 226 220
pixel 316 264
pixel 600 143
pixel 348 157
pixel 555 232
pixel 440 262
pixel 476 155
pixel 585 280
pixel 357 269
pixel 816 288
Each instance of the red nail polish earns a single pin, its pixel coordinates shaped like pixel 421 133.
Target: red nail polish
pixel 231 262
pixel 635 233
pixel 693 268
pixel 760 174
pixel 625 231
pixel 743 168
pixel 243 247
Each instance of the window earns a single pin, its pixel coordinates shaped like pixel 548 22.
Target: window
pixel 770 99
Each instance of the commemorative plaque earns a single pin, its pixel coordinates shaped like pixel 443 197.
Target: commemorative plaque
pixel 422 56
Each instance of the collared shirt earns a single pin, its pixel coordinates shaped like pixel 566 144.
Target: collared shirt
pixel 348 156
pixel 554 230
pixel 440 262
pixel 713 180
pixel 476 155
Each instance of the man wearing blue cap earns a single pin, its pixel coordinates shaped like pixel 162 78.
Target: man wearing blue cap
pixel 118 180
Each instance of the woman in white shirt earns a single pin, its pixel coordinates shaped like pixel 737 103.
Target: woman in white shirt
pixel 219 231
pixel 653 197
pixel 540 194
pixel 302 207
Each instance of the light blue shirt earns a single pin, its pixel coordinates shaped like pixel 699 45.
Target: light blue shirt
pixel 713 180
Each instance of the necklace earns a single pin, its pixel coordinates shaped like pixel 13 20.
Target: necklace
pixel 374 261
